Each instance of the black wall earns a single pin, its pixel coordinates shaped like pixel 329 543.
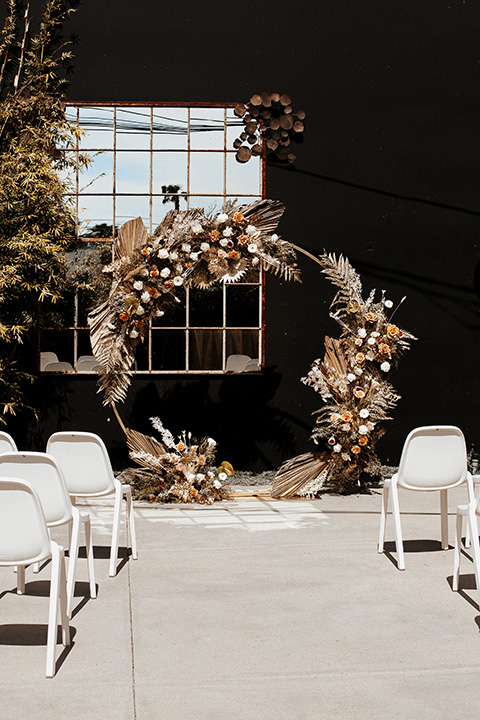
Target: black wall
pixel 388 175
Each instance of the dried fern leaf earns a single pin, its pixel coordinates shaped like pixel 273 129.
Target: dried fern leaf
pixel 341 273
pixel 297 472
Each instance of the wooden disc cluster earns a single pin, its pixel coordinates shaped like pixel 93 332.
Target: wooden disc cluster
pixel 269 119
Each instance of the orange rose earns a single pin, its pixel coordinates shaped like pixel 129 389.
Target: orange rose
pixel 187 265
pixel 124 316
pixel 233 254
pixel 355 449
pixel 392 330
pixel 359 392
pixel 238 218
pixel 370 317
pixel 180 446
pixel 145 251
pixel 179 468
pixel 154 272
pixel 214 235
pixel 168 284
pixel 242 239
pixel 153 292
pixel 384 349
pixel 360 357
pixel 362 441
pixel 347 417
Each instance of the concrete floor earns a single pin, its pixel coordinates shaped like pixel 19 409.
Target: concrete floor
pixel 255 609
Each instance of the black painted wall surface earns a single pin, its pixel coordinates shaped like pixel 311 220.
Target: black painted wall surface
pixel 388 174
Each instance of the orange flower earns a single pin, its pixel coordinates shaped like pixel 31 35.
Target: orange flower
pixel 360 357
pixel 359 392
pixel 347 416
pixel 355 449
pixel 180 446
pixel 153 292
pixel 187 264
pixel 139 323
pixel 194 492
pixel 370 317
pixel 362 441
pixel 238 218
pixel 214 235
pixel 154 272
pixel 179 468
pixel 392 330
pixel 242 239
pixel 145 251
pixel 201 460
pixel 124 316
pixel 384 349
pixel 233 254
pixel 168 284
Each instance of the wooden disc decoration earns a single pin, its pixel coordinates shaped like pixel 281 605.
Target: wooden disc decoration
pixel 270 122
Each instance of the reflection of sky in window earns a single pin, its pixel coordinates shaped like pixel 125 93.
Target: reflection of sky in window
pixel 98 177
pixel 169 168
pixel 98 124
pixel 206 172
pixel 133 172
pixel 128 207
pixel 206 129
pixel 170 128
pixel 243 178
pixel 133 128
pixel 93 210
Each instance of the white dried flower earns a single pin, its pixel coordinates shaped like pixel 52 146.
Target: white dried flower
pixel 178 281
pixel 346 427
pixel 274 237
pixel 144 272
pixel 388 304
pixel 228 232
pixel 252 247
pixel 133 333
pixel 223 242
pixel 363 430
pixel 351 377
pixel 145 297
pixel 165 272
pixel 362 332
pixel 140 310
pixel 371 341
pixel 159 313
pixel 194 256
pixel 200 477
pixel 385 366
pixel 204 247
pixel 138 285
pixel 217 484
pixel 163 254
pixel 370 426
pixel 211 441
pixel 222 476
pixel 173 256
pixel 364 413
pixel 197 228
pixel 223 217
pixel 336 448
pixel 178 267
pixel 250 229
pixel 221 253
pixel 370 355
pixel 346 457
pixel 358 371
pixel 186 247
pixel 255 261
pixel 375 334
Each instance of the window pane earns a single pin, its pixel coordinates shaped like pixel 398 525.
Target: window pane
pixel 206 173
pixel 235 126
pixel 207 128
pixel 175 315
pixel 168 350
pixel 243 178
pixel 242 306
pixel 94 285
pixel 163 203
pixel 141 356
pixel 211 205
pixel 98 177
pixel 170 128
pixel 133 172
pixel 170 170
pixel 128 207
pixel 98 124
pixel 206 307
pixel 94 211
pixel 205 349
pixel 243 342
pixel 59 342
pixel 133 128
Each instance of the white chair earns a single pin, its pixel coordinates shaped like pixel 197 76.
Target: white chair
pixel 434 457
pixel 86 467
pixel 237 363
pixel 47 357
pixel 24 540
pixel 88 364
pixel 58 367
pixel 7 443
pixel 252 366
pixel 471 512
pixel 43 474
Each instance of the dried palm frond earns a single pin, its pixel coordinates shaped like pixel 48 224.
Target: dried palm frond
pixel 264 214
pixel 294 474
pixel 341 273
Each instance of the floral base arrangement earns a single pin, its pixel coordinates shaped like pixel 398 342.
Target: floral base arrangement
pixel 176 470
pixel 353 382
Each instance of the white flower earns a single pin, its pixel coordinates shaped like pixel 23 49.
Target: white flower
pixel 364 413
pixel 274 237
pixel 200 477
pixel 173 256
pixel 211 441
pixel 159 313
pixel 204 247
pixel 186 247
pixel 255 261
pixel 358 370
pixel 163 254
pixel 370 426
pixel 375 334
pixel 251 229
pixel 337 448
pixel 388 304
pixel 138 285
pixel 156 243
pixel 145 297
pixel 223 242
pixel 179 268
pixel 111 326
pixel 194 256
pixel 178 281
pixel 197 228
pixel 363 430
pixel 222 476
pixel 223 217
pixel 165 272
pixel 370 355
pixel 221 253
pixel 228 232
pixel 371 341
pixel 252 247
pixel 362 332
pixel 144 272
pixel 350 377
pixel 346 457
pixel 385 366
pixel 133 333
pixel 140 310
pixel 346 427
pixel 217 483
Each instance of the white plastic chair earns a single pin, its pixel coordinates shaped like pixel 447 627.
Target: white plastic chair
pixel 434 457
pixel 58 367
pixel 86 467
pixel 470 512
pixel 88 364
pixel 47 357
pixel 237 363
pixel 43 474
pixel 24 540
pixel 7 443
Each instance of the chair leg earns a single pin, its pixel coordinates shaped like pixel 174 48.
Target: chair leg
pixel 116 529
pixel 74 533
pixel 20 579
pixel 457 553
pixel 398 528
pixel 127 492
pixel 63 598
pixel 444 518
pixel 383 516
pixel 85 518
pixel 472 521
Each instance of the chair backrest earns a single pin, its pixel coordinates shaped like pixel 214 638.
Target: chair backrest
pixel 84 461
pixel 44 475
pixel 434 457
pixel 236 363
pixel 7 443
pixel 87 364
pixel 24 536
pixel 58 367
pixel 47 357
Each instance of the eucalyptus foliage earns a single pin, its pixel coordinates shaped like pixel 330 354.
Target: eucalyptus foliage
pixel 37 221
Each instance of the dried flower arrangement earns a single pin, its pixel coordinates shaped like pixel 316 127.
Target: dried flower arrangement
pixel 352 381
pixel 188 248
pixel 176 470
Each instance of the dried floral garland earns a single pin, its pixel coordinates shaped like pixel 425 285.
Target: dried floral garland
pixel 352 381
pixel 176 470
pixel 187 248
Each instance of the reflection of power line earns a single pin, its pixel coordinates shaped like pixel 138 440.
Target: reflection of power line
pixel 377 191
pixel 131 126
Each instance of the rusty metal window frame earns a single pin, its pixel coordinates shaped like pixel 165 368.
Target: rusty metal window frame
pixel 77 328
